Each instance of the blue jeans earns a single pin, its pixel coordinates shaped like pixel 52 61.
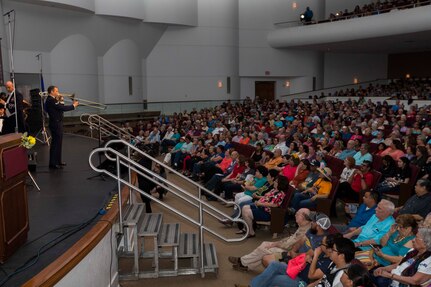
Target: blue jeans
pixel 275 275
pixel 301 200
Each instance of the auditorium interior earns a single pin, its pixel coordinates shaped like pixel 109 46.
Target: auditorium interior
pixel 216 143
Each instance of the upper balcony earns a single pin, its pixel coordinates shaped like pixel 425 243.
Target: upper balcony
pixel 399 30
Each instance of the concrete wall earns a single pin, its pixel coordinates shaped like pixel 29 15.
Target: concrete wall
pixel 82 53
pixel 187 63
pixel 341 69
pixel 258 60
pixel 93 270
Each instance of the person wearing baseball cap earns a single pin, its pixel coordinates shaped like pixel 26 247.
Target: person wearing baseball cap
pixel 320 189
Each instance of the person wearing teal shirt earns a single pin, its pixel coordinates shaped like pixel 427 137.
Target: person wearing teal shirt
pixel 375 228
pixel 397 242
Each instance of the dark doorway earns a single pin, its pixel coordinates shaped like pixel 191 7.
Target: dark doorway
pixel 264 90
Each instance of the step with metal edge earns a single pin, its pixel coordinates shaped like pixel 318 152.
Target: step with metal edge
pixel 210 258
pixel 133 214
pixel 169 235
pixel 189 245
pixel 150 225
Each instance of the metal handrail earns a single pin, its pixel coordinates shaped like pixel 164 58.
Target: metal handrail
pixel 105 127
pixel 195 201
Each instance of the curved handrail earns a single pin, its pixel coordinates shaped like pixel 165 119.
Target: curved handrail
pixel 130 146
pixel 105 127
pixel 127 161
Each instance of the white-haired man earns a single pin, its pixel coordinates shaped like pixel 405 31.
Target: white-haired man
pixel 375 228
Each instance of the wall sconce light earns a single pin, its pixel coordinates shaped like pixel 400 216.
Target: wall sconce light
pixel 407 76
pixel 355 80
pixel 219 84
pixel 294 5
pixel 287 84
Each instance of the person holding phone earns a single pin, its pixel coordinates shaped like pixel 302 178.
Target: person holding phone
pixel 397 241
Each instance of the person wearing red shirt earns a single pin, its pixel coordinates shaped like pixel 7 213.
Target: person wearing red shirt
pixel 361 180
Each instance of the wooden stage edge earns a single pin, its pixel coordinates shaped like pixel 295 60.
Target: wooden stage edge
pixel 54 272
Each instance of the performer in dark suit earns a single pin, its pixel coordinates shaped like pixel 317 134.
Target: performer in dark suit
pixel 55 111
pixel 9 103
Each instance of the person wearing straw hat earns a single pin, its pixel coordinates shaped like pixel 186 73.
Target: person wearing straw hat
pixel 320 189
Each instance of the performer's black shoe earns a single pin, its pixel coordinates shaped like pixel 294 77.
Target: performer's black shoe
pixel 55 167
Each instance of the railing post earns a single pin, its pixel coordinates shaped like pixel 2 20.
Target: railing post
pixel 120 208
pixel 201 234
pixel 130 174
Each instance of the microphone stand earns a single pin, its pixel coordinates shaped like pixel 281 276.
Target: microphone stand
pixel 12 68
pixel 45 137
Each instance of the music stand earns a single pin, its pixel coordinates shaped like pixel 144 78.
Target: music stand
pixel 45 137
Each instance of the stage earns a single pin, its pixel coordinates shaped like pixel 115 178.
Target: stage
pixel 67 200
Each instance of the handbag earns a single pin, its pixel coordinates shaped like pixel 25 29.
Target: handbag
pixel 366 258
pixel 296 265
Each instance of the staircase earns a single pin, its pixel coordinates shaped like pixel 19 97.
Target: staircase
pixel 146 238
pixel 167 243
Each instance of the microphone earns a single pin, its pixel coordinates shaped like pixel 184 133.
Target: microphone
pixel 8 13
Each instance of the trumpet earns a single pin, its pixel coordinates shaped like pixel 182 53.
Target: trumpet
pixel 82 102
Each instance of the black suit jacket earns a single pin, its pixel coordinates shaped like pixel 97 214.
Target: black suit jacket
pixel 55 111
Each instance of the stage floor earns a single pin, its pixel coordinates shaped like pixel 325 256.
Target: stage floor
pixel 67 198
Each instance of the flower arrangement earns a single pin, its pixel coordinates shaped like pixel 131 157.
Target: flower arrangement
pixel 27 141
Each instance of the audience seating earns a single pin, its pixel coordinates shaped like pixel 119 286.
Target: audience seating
pixel 327 205
pixel 278 214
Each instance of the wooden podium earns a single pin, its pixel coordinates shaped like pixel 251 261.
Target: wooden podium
pixel 14 223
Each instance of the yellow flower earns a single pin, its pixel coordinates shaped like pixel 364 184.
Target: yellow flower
pixel 31 140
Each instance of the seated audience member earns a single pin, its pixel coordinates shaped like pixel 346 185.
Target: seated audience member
pixel 415 267
pixel 362 214
pixel 313 238
pixel 250 187
pixel 253 260
pixel 397 242
pixel 226 165
pixel 281 145
pixel 275 161
pixel 361 180
pixel 337 148
pixel 312 176
pixel 222 170
pixel 301 173
pixel 357 276
pixel 343 252
pixel 320 189
pixel 419 205
pixel 233 185
pixel 260 210
pixel 363 154
pixel 289 170
pixel 262 182
pixel 380 149
pixel 275 273
pixel 395 150
pixel 402 175
pixel 389 167
pixel 186 148
pixel 375 228
pixel 348 170
pixel 349 151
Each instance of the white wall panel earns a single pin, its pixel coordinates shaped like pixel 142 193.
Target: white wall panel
pixel 340 69
pixel 187 62
pixel 120 63
pixel 84 4
pixel 74 67
pixel 130 9
pixel 183 12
